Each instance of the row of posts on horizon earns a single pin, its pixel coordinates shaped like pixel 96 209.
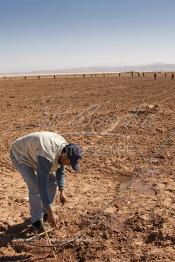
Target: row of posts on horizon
pixel 132 74
pixel 143 74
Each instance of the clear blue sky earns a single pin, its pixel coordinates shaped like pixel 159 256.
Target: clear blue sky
pixel 54 34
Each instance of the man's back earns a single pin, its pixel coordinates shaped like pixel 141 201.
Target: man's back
pixel 46 144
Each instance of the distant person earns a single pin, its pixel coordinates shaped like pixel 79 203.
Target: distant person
pixel 143 74
pixel 165 75
pixel 40 158
pixel 155 76
pixel 172 76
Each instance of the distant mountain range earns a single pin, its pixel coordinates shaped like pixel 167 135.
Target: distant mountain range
pixel 104 69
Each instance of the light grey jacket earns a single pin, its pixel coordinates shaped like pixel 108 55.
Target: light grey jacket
pixel 41 151
pixel 49 145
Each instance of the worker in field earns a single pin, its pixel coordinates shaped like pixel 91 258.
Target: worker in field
pixel 40 158
pixel 172 76
pixel 155 76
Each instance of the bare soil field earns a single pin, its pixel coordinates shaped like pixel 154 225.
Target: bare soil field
pixel 121 206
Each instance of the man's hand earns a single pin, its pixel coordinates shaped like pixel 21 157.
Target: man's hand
pixel 62 197
pixel 51 218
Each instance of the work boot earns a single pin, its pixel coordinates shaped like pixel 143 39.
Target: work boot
pixel 45 217
pixel 38 224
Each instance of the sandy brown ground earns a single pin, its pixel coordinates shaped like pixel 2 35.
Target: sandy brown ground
pixel 121 206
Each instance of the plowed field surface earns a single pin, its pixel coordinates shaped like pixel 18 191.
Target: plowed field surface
pixel 121 206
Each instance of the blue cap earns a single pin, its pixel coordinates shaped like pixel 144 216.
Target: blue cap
pixel 74 153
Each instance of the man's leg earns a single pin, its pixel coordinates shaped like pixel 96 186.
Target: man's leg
pixel 30 179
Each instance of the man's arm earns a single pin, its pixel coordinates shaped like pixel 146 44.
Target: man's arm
pixel 43 170
pixel 60 182
pixel 60 177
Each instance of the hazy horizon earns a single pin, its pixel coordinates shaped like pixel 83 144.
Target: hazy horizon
pixel 99 69
pixel 39 35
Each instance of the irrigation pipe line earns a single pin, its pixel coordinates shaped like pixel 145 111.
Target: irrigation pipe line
pixel 163 144
pixel 66 242
pixel 63 243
